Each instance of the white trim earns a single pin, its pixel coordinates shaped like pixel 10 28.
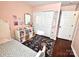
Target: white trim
pixel 74 51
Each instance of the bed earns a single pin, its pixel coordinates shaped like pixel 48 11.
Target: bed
pixel 10 47
pixel 15 49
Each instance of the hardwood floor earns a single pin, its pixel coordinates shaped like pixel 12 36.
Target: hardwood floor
pixel 62 48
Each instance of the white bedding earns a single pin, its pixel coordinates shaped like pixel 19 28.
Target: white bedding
pixel 14 48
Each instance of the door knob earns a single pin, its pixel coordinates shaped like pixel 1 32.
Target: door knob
pixel 69 35
pixel 59 26
pixel 74 14
pixel 72 25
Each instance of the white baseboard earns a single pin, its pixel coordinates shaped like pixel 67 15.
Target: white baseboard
pixel 74 51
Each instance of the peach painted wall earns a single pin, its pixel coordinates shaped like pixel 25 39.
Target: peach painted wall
pixel 4 32
pixel 54 7
pixel 8 9
pixel 68 8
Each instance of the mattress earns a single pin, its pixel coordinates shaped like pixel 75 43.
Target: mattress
pixel 14 48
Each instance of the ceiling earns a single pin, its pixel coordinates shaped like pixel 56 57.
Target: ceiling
pixel 38 3
pixel 34 3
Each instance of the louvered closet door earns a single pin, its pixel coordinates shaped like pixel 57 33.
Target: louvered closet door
pixel 67 24
pixel 43 22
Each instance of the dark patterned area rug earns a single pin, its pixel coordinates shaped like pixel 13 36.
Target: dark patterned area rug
pixel 37 41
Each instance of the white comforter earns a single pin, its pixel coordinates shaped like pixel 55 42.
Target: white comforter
pixel 15 49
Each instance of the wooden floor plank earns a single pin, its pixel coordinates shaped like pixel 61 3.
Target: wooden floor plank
pixel 62 48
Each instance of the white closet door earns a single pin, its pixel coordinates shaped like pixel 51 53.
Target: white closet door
pixel 38 21
pixel 67 25
pixel 43 22
pixel 48 17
